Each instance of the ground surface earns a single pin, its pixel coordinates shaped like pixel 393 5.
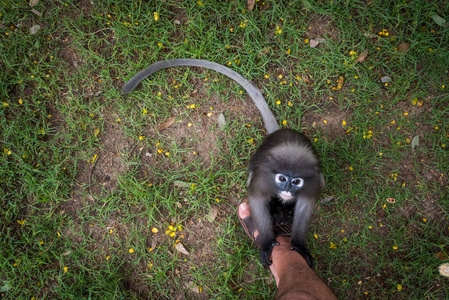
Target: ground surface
pixel 100 201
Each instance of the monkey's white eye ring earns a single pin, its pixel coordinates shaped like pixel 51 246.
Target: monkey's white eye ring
pixel 299 182
pixel 280 178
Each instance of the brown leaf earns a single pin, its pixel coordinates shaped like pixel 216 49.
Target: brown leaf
pixel 166 124
pixel 36 12
pixel 213 213
pixel 441 256
pixel 403 47
pixel 181 249
pixel 33 3
pixel 362 56
pixel 313 43
pixel 251 4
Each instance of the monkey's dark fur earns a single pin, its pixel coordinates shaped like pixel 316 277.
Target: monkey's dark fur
pixel 287 152
pixel 284 174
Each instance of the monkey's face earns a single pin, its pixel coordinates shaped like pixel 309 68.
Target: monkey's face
pixel 288 186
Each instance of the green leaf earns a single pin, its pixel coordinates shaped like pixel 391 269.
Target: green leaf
pixel 439 20
pixel 6 287
pixel 415 142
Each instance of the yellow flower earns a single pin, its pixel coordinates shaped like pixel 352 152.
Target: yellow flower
pixel 131 250
pixel 278 102
pixel 156 16
pixel 278 30
pixel 395 247
pixel 200 3
pixel 66 269
pixel 144 112
pixel 5 104
pixel 332 246
pixel 284 122
pixel 6 151
pixel 141 137
pixel 21 222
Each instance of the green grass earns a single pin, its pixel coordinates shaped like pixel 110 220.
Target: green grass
pixel 85 177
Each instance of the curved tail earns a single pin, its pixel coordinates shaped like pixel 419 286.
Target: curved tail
pixel 269 120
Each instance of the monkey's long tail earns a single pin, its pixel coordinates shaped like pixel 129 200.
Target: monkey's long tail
pixel 269 120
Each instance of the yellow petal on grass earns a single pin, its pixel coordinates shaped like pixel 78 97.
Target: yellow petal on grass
pixel 332 246
pixel 131 250
pixel 154 230
pixel 66 269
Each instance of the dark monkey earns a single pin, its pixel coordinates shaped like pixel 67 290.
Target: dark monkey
pixel 284 174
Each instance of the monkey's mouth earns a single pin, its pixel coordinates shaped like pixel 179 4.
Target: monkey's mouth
pixel 286 195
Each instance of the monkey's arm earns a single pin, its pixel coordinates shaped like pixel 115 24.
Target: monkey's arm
pixel 262 218
pixel 303 212
pixel 268 118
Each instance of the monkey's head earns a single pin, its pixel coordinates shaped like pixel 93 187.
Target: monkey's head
pixel 296 173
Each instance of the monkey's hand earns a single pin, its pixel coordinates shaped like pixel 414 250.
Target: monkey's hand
pixel 265 253
pixel 305 253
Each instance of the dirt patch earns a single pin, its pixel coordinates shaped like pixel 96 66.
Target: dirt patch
pixel 321 26
pixel 330 121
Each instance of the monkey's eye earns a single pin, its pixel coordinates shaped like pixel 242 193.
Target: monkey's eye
pixel 280 178
pixel 299 182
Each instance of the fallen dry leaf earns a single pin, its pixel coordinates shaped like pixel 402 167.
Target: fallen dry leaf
pixel 403 47
pixel 213 213
pixel 36 12
pixel 193 287
pixel 362 56
pixel 251 4
pixel 327 199
pixel 34 29
pixel 441 256
pixel 221 121
pixel 166 124
pixel 181 249
pixel 182 184
pixel 313 43
pixel 33 3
